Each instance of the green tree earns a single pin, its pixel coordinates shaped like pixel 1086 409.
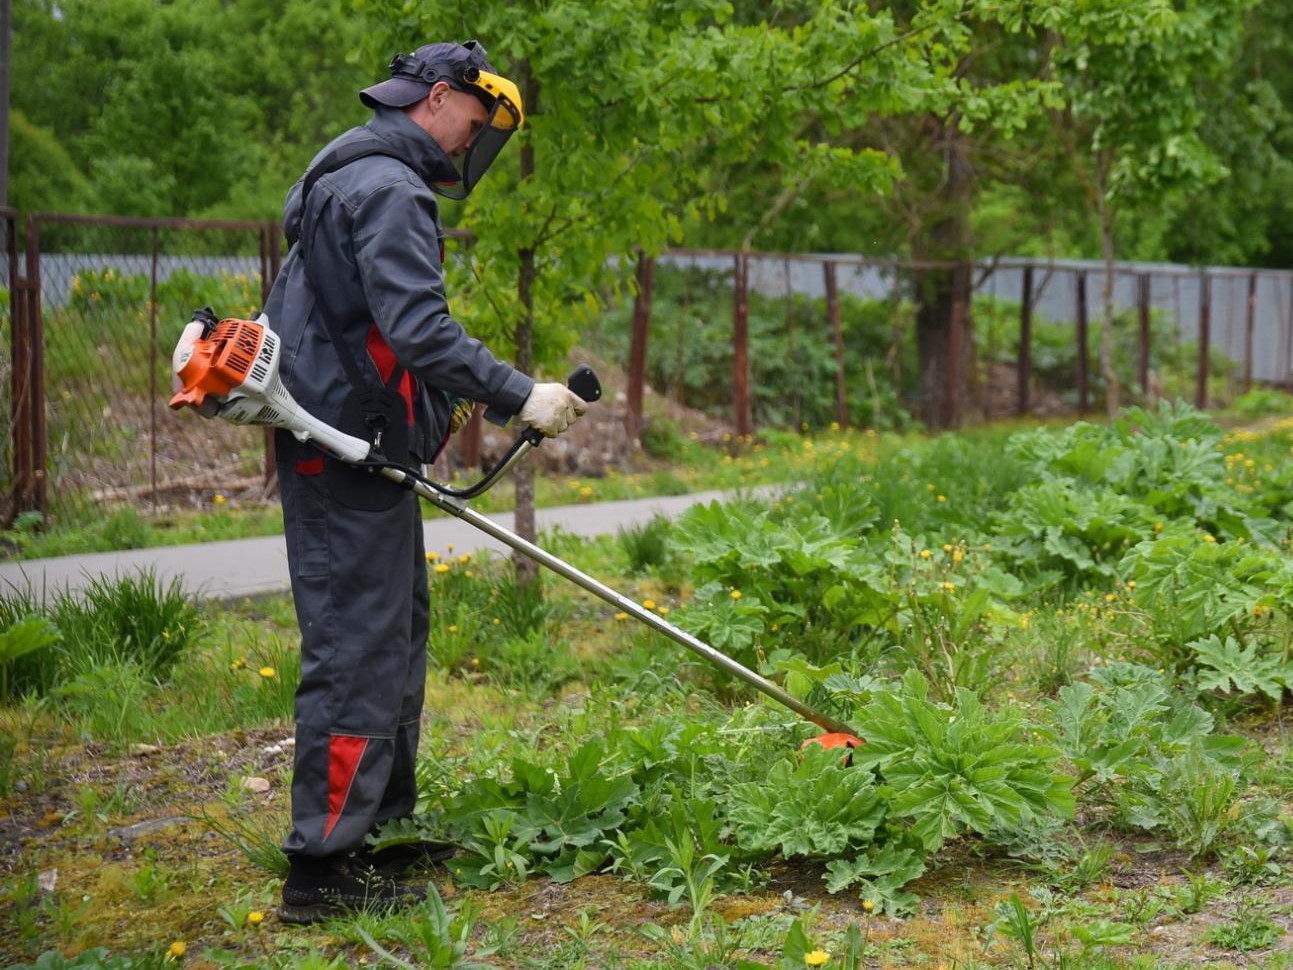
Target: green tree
pixel 1133 76
pixel 42 175
pixel 634 117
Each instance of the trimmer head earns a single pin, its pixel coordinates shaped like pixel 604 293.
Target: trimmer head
pixel 836 739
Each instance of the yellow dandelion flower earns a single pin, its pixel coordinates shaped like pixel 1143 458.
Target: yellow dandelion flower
pixel 947 547
pixel 941 498
pixel 621 616
pixel 432 556
pixel 238 664
pixel 1131 584
pixel 868 906
pixel 176 950
pixel 1208 538
pixel 662 610
pixel 586 491
pixel 649 604
pixel 958 555
pixel 817 958
pixel 949 587
pixel 1110 597
pixel 255 918
pixel 465 558
pixel 442 567
pixel 735 594
pixel 925 554
pixel 452 628
pixel 268 672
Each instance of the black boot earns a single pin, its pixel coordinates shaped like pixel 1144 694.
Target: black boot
pixel 395 860
pixel 319 888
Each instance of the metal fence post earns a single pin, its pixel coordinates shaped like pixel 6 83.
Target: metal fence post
pixel 1082 345
pixel 1142 309
pixel 837 335
pixel 1249 324
pixel 741 347
pixel 35 495
pixel 638 345
pixel 1205 339
pixel 1025 367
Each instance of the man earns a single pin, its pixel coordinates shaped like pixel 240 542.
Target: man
pixel 369 345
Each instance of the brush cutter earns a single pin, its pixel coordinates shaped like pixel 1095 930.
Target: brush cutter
pixel 231 372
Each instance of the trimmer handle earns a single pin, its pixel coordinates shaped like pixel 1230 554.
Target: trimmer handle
pixel 582 381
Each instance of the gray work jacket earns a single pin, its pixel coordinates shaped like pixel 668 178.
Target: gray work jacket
pixel 376 251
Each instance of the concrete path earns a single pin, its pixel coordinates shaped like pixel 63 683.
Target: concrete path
pixel 251 567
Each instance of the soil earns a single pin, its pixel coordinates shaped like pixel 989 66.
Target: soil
pixel 128 845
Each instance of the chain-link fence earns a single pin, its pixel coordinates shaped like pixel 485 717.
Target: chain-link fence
pixel 114 294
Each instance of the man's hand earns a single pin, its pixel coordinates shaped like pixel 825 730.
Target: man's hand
pixel 552 408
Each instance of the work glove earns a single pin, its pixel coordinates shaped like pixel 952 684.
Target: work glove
pixel 461 413
pixel 552 408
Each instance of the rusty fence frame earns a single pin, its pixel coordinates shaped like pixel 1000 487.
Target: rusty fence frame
pixel 27 392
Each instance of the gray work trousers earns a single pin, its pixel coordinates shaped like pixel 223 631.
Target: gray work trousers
pixel 359 580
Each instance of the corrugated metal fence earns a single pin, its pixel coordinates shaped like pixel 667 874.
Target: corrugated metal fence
pixel 1029 334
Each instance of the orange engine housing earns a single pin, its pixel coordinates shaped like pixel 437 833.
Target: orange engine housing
pixel 220 363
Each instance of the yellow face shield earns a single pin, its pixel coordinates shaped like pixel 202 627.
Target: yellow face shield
pixel 505 116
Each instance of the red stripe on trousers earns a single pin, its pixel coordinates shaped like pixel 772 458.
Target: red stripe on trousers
pixel 344 755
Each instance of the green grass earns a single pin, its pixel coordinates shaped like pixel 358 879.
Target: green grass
pixel 1180 850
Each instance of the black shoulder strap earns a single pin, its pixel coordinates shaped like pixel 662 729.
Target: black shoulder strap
pixel 362 147
pixel 338 158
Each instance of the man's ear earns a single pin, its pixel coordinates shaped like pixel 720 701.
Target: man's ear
pixel 438 93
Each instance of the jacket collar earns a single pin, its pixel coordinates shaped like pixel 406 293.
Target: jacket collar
pixel 410 143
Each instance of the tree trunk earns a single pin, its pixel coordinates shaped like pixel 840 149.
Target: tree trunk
pixel 942 292
pixel 1113 389
pixel 526 569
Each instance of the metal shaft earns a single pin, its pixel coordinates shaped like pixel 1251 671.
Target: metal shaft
pixel 459 508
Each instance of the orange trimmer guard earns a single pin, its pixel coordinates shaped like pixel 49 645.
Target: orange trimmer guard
pixel 837 740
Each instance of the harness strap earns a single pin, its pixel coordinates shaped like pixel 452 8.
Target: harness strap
pixel 392 373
